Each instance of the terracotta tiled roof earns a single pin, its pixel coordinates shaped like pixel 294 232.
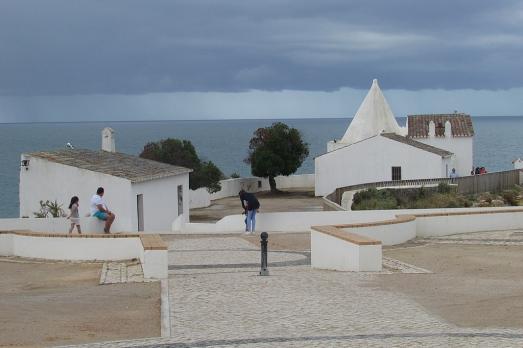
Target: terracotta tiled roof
pixel 461 125
pixel 117 164
pixel 419 145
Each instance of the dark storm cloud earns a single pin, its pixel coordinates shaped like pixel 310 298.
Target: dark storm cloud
pixel 136 47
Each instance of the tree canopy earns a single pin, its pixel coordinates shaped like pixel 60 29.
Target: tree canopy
pixel 182 153
pixel 276 150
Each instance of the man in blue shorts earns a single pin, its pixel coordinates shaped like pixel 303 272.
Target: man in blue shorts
pixel 100 211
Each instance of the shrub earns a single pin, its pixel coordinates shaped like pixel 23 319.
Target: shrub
pixel 235 175
pixel 48 207
pixel 444 187
pixel 510 197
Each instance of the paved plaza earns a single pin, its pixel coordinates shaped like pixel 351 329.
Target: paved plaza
pixel 217 299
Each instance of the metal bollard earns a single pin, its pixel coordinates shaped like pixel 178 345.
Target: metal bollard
pixel 264 271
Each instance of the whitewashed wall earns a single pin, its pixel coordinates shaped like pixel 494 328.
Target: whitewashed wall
pixel 461 147
pixel 57 225
pixel 154 262
pixel 302 221
pixel 230 187
pixel 370 161
pixel 388 234
pixel 160 202
pixel 328 252
pixel 46 180
pixel 199 198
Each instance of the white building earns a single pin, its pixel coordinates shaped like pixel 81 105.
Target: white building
pixel 375 148
pixel 144 194
pixel 451 132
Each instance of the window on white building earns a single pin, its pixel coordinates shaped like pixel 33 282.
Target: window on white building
pixel 180 200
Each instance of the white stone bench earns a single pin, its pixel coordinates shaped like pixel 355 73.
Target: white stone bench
pixel 335 249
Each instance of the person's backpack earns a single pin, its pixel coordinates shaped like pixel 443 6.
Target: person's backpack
pixel 256 203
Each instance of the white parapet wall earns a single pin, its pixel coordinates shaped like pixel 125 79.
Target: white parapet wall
pixel 88 248
pixel 200 198
pixel 444 224
pixel 334 253
pixel 57 225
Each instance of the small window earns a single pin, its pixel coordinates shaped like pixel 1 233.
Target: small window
pixel 180 200
pixel 396 173
pixel 259 184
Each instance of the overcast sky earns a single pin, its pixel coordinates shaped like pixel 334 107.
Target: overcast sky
pixel 138 60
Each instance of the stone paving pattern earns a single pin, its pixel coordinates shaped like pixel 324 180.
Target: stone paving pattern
pixel 297 306
pixel 122 272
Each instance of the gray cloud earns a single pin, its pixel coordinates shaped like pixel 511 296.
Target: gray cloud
pixel 64 47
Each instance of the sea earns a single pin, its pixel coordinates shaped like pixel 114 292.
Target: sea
pixel 498 141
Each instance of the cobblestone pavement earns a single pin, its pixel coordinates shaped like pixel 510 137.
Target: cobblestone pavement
pixel 213 305
pixel 122 272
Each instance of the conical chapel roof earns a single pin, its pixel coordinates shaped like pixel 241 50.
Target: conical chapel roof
pixel 373 117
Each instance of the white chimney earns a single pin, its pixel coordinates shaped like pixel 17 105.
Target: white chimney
pixel 108 140
pixel 448 129
pixel 432 129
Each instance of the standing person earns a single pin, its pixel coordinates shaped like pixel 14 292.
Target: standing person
pixel 453 174
pixel 74 216
pixel 100 211
pixel 251 205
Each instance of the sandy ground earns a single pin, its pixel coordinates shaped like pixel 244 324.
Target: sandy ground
pixel 62 303
pixel 282 202
pixel 472 285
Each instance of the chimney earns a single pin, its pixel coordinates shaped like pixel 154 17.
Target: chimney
pixel 108 140
pixel 448 129
pixel 432 129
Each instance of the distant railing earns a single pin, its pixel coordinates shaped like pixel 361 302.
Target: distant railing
pixel 490 182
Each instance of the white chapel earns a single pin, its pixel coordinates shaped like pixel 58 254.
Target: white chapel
pixel 375 148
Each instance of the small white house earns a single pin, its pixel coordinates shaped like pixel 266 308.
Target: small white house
pixel 375 148
pixel 145 195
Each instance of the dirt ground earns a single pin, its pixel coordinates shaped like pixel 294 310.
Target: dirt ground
pixel 472 285
pixel 297 200
pixel 287 241
pixel 43 304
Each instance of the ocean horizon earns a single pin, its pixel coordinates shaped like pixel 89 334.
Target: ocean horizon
pixel 224 141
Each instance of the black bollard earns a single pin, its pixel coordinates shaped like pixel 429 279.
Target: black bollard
pixel 264 271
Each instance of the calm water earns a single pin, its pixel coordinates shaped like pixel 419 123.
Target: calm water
pixel 498 141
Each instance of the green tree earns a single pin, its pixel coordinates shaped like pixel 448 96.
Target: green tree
pixel 182 153
pixel 276 150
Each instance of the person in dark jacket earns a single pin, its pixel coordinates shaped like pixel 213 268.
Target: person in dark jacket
pixel 250 205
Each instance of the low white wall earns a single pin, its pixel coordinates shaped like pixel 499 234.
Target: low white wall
pixel 57 225
pixel 389 234
pixel 56 248
pixel 154 262
pixel 434 226
pixel 6 244
pixel 284 222
pixel 328 252
pixel 295 181
pixel 200 198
